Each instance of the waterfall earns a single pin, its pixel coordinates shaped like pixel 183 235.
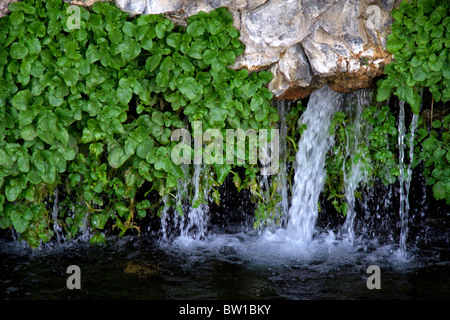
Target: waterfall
pixel 165 218
pixel 55 213
pixel 356 174
pixel 405 175
pixel 310 163
pixel 187 220
pixel 197 218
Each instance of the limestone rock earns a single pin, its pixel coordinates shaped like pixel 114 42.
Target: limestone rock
pixel 134 6
pixel 291 71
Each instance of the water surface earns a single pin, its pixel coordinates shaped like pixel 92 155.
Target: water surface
pixel 224 266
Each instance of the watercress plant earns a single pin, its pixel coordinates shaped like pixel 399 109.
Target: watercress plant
pixel 89 112
pixel 420 43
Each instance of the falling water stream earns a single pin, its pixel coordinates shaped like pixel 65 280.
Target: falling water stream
pixel 299 260
pixel 353 178
pixel 197 223
pixel 55 212
pixel 310 163
pixel 405 176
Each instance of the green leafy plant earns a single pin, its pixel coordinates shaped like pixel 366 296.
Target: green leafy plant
pixel 90 111
pixel 267 194
pixel 433 149
pixel 420 43
pixel 374 153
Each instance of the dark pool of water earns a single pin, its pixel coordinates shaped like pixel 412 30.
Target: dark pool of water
pixel 224 266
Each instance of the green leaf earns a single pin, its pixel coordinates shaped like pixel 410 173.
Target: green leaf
pixel 28 132
pixel 153 61
pixel 16 18
pixel 83 67
pixel 265 76
pixel 217 116
pixel 437 31
pixel 34 46
pixel 12 192
pixel 96 148
pixel 160 29
pixel 162 79
pixel 436 124
pixel 122 209
pixel 147 44
pixel 132 50
pixel 407 94
pixel 92 107
pixel 97 238
pixel 167 64
pixel 16 6
pixel 144 147
pixel 195 51
pixel 124 95
pixel 99 220
pixel 18 51
pixel 145 19
pixel 37 69
pixel 74 179
pixel 261 114
pixel 70 76
pixel 190 88
pixel 227 57
pixel 23 163
pixel 256 103
pixel 174 40
pixel 20 218
pixel 222 172
pixel 115 36
pixel 195 28
pixel 53 28
pixel 419 74
pixel 394 44
pixel 21 100
pixel 186 64
pixel 164 164
pixel 54 100
pixel 117 127
pixel 130 146
pixel 117 156
pixel 5 158
pixel 157 117
pixel 129 28
pixel 71 48
pixel 439 191
pixel 209 56
pixel 26 117
pixel 92 54
pixel 436 65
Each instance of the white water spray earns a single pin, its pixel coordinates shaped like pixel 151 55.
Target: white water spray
pixel 55 212
pixel 198 215
pixel 356 175
pixel 165 218
pixel 405 175
pixel 310 163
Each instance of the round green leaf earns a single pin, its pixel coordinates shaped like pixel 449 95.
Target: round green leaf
pixel 21 100
pixel 18 51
